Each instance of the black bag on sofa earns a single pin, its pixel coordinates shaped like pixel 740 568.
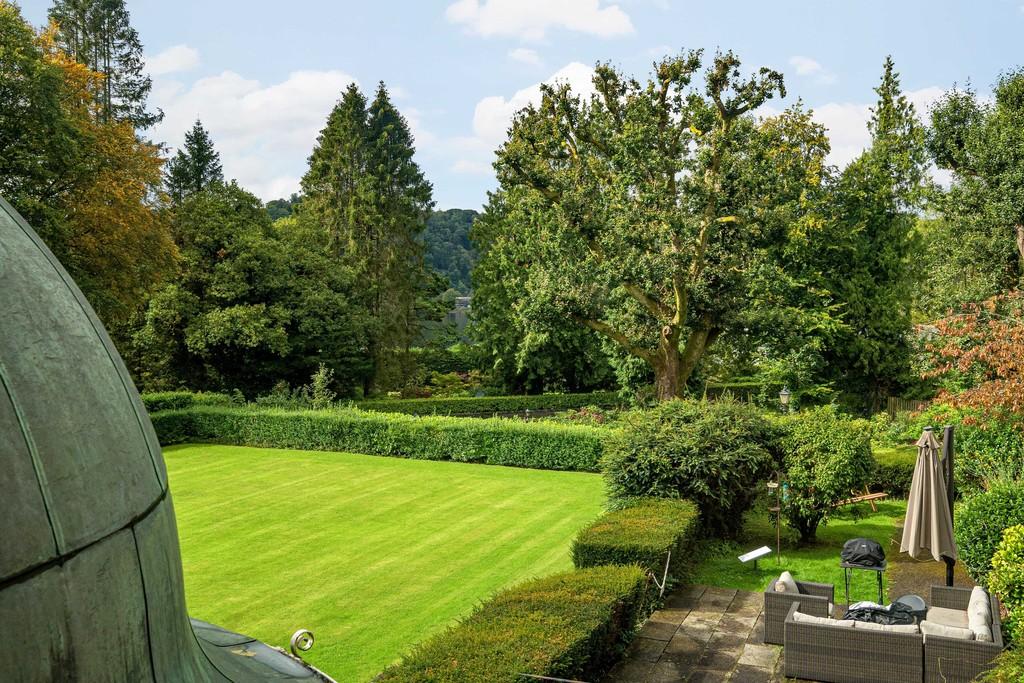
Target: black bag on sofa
pixel 862 552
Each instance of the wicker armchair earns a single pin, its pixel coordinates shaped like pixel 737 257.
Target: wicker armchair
pixel 815 599
pixel 948 660
pixel 820 652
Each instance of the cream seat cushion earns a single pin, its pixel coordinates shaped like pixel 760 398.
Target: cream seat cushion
pixel 891 628
pixel 929 628
pixel 786 584
pixel 824 621
pixel 947 617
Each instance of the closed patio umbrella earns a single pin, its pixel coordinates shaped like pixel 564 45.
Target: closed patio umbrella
pixel 928 529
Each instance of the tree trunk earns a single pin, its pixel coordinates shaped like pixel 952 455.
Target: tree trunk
pixel 1020 246
pixel 667 364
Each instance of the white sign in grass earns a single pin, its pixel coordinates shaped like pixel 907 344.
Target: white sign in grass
pixel 755 555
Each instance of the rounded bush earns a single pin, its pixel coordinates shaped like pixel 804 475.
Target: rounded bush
pixel 712 453
pixel 1007 577
pixel 826 456
pixel 979 522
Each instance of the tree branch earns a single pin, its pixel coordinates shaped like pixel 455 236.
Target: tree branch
pixel 619 338
pixel 653 305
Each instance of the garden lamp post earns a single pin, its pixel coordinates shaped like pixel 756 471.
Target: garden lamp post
pixel 784 397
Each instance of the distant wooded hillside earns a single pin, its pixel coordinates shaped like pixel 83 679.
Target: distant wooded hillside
pixel 449 250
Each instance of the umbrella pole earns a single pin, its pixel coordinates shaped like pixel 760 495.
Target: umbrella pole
pixel 947 461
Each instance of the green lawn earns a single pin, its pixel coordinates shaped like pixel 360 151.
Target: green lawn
pixel 818 562
pixel 372 554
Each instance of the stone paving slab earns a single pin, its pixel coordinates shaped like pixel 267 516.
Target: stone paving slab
pixel 703 634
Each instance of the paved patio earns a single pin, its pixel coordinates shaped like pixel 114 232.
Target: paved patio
pixel 702 634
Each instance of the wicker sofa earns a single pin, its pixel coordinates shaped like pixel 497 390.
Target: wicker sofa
pixel 947 660
pixel 850 655
pixel 835 653
pixel 816 599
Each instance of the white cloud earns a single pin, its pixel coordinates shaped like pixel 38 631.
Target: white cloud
pixel 526 56
pixel 531 19
pixel 264 133
pixel 807 67
pixel 493 116
pixel 173 60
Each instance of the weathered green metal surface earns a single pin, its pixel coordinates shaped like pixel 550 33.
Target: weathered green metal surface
pixel 90 572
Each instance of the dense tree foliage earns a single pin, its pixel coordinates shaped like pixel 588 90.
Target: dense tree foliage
pixel 561 355
pixel 978 246
pixel 99 34
pixel 370 198
pixel 86 184
pixel 195 167
pixel 255 303
pixel 979 354
pixel 644 212
pixel 868 260
pixel 448 247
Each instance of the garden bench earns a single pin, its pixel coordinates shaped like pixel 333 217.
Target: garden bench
pixel 866 497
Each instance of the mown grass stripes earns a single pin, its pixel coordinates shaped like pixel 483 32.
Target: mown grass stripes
pixel 372 554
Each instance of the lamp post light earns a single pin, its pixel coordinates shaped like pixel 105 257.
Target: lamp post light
pixel 784 397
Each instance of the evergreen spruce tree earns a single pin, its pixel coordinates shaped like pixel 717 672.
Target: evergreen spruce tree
pixel 99 34
pixel 196 165
pixel 370 198
pixel 402 199
pixel 335 186
pixel 869 267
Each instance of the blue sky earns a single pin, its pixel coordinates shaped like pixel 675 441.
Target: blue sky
pixel 263 75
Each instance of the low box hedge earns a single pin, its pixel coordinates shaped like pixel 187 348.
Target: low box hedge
pixel 488 405
pixel 573 625
pixel 643 533
pixel 176 400
pixel 494 441
pixel 894 469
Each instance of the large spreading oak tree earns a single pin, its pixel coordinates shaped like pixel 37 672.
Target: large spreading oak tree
pixel 647 211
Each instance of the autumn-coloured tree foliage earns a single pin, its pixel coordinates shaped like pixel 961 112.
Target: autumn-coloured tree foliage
pixel 979 356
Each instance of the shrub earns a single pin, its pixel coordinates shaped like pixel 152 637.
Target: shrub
pixel 176 400
pixel 713 453
pixel 825 456
pixel 1009 667
pixel 494 441
pixel 643 533
pixel 894 469
pixel 986 447
pixel 488 405
pixel 1007 578
pixel 979 522
pixel 572 625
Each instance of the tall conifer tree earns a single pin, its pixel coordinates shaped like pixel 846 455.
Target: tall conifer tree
pixel 195 167
pixel 99 34
pixel 370 198
pixel 874 210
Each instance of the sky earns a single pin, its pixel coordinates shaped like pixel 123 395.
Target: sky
pixel 263 76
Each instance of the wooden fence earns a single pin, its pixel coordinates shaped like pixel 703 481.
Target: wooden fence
pixel 904 405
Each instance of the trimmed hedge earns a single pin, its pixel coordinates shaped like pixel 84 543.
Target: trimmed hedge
pixel 642 534
pixel 894 470
pixel 488 405
pixel 494 441
pixel 176 400
pixel 572 625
